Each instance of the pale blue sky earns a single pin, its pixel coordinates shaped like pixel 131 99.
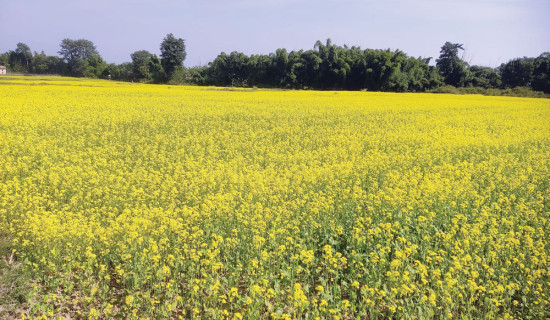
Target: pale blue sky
pixel 492 31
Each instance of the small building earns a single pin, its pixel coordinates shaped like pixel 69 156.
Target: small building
pixel 2 70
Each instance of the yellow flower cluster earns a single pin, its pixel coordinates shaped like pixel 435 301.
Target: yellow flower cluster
pixel 142 201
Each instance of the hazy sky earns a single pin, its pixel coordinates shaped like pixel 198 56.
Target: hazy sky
pixel 492 31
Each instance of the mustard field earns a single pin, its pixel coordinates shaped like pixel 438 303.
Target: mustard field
pixel 134 201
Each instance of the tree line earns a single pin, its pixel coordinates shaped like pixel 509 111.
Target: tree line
pixel 80 58
pixel 326 66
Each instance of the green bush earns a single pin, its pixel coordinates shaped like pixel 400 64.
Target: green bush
pixel 445 89
pixel 509 92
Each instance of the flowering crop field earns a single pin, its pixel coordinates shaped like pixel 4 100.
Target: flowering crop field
pixel 144 201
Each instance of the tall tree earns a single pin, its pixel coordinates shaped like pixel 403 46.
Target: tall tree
pixel 56 65
pixel 333 69
pixel 155 70
pixel 79 54
pixel 381 66
pixel 172 53
pixel 74 50
pixel 279 67
pixel 259 71
pixel 97 65
pixel 307 69
pixel 20 58
pixel 4 59
pixel 541 73
pixel 40 63
pixel 140 64
pixel 230 69
pixel 517 72
pixel 451 67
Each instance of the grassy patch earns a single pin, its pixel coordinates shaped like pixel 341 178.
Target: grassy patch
pixel 14 280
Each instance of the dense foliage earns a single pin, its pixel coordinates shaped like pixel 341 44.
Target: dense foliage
pixel 326 66
pixel 451 67
pixel 82 58
pixel 329 66
pixel 172 52
pixel 134 201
